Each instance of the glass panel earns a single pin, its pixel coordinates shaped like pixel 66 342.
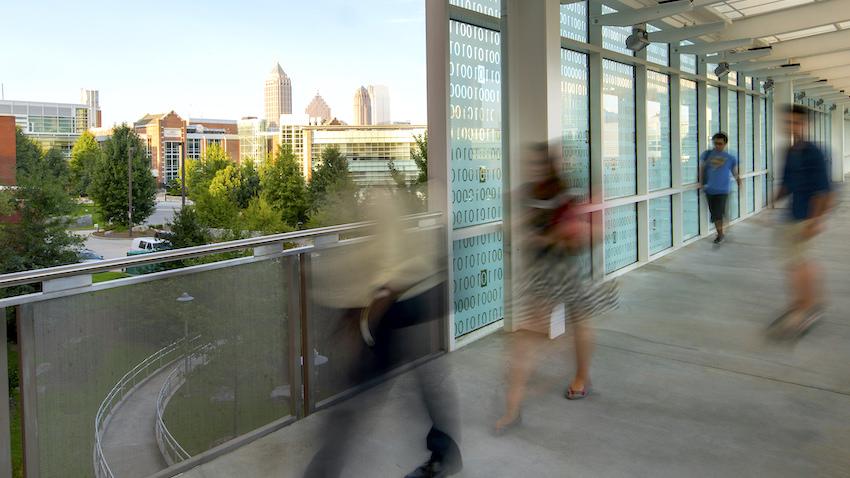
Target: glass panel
pixel 492 8
pixel 690 214
pixel 688 63
pixel 748 82
pixel 614 38
pixel 713 112
pixel 620 237
pixel 765 191
pixel 751 195
pixel 732 127
pixel 657 52
pixel 575 119
pixel 658 129
pixel 762 160
pixel 709 70
pixel 749 138
pixel 574 21
pixel 660 224
pixel 688 116
pixel 734 202
pixel 478 282
pixel 732 78
pixel 235 347
pixel 618 130
pixel 475 122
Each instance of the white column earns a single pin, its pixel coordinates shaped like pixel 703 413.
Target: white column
pixel 837 150
pixel 531 94
pixel 783 96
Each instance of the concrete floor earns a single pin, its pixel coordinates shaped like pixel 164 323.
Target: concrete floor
pixel 685 384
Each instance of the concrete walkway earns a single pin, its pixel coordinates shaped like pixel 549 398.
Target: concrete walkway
pixel 685 385
pixel 129 442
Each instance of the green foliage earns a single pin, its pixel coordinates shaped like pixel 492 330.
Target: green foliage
pixel 217 211
pixel 85 156
pixel 261 217
pixel 331 173
pixel 109 185
pixel 414 194
pixel 174 187
pixel 200 173
pixel 188 230
pixel 250 186
pixel 283 188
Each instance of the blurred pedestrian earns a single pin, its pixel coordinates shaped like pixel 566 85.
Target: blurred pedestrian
pixel 718 168
pixel 394 281
pixel 805 180
pixel 554 236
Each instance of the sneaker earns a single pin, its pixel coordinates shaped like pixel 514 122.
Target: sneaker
pixel 434 469
pixel 719 239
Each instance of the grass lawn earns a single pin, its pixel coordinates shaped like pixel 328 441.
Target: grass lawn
pixel 83 209
pixel 108 276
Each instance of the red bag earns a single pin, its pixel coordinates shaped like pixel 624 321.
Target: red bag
pixel 573 231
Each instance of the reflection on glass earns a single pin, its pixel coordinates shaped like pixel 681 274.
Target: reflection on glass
pixel 749 138
pixel 660 225
pixel 732 128
pixel 475 122
pixel 575 119
pixel 690 214
pixel 657 52
pixel 618 130
pixel 713 112
pixel 574 21
pixel 620 237
pixel 614 38
pixel 688 116
pixel 492 8
pixel 658 129
pixel 734 202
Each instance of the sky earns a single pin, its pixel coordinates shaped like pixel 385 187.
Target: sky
pixel 209 59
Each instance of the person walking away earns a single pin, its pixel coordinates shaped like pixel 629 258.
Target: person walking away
pixel 805 180
pixel 718 167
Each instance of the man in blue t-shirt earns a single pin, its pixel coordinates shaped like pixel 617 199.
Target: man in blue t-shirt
pixel 718 167
pixel 806 180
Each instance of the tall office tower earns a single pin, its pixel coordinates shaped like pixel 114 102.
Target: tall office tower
pixel 318 109
pixel 91 98
pixel 380 96
pixel 278 97
pixel 362 107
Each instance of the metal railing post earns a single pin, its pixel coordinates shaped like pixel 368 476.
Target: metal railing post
pixel 295 310
pixel 5 422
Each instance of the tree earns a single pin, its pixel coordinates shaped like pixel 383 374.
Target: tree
pixel 332 171
pixel 283 187
pixel 40 237
pixel 200 173
pixel 188 230
pixel 250 187
pixel 414 193
pixel 84 159
pixel 260 216
pixel 109 184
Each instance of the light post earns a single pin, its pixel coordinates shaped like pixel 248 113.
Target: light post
pixel 183 174
pixel 185 298
pixel 130 151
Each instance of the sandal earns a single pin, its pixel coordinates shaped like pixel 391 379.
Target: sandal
pixel 577 394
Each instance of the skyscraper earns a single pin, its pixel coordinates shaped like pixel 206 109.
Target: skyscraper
pixel 362 107
pixel 91 98
pixel 278 95
pixel 380 96
pixel 318 109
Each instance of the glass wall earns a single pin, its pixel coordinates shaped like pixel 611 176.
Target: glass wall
pixel 690 214
pixel 751 195
pixel 734 202
pixel 575 112
pixel 574 21
pixel 618 130
pixel 762 164
pixel 749 138
pixel 713 111
pixel 732 126
pixel 658 129
pixel 657 52
pixel 621 241
pixel 660 224
pixel 688 131
pixel 614 38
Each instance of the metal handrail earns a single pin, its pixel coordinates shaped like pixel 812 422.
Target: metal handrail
pixel 70 270
pixel 117 394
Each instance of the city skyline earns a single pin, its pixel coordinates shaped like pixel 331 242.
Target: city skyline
pixel 219 79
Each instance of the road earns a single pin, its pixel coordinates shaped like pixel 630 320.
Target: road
pixel 113 248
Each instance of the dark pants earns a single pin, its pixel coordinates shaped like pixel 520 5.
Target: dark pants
pixel 717 206
pixel 437 392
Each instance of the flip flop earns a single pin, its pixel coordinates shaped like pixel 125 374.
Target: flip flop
pixel 577 394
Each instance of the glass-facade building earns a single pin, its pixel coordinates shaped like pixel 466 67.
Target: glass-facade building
pixel 52 125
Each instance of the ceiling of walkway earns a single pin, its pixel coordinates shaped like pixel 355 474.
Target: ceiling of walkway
pixel 813 33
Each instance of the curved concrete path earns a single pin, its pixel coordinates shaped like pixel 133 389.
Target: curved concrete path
pixel 129 441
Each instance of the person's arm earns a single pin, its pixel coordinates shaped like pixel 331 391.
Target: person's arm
pixel 737 173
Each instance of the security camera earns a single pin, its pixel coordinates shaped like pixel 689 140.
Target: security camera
pixel 819 102
pixel 799 96
pixel 832 107
pixel 722 69
pixel 768 84
pixel 638 40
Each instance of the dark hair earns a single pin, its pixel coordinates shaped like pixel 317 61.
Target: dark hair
pixel 797 110
pixel 721 135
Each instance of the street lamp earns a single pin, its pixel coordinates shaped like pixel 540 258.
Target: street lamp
pixel 130 151
pixel 185 298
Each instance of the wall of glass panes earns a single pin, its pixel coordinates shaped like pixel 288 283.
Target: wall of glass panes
pixel 641 219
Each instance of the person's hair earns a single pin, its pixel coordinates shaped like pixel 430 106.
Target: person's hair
pixel 797 110
pixel 721 135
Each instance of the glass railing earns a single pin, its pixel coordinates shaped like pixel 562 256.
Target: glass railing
pixel 157 373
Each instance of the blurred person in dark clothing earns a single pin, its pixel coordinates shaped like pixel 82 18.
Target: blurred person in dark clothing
pixel 553 237
pixel 396 281
pixel 805 181
pixel 718 168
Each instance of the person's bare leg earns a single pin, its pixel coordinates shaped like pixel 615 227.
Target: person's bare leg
pixel 583 339
pixel 520 365
pixel 719 226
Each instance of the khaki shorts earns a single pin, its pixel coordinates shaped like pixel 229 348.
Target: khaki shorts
pixel 797 249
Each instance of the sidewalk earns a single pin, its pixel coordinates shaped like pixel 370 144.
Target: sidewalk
pixel 685 384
